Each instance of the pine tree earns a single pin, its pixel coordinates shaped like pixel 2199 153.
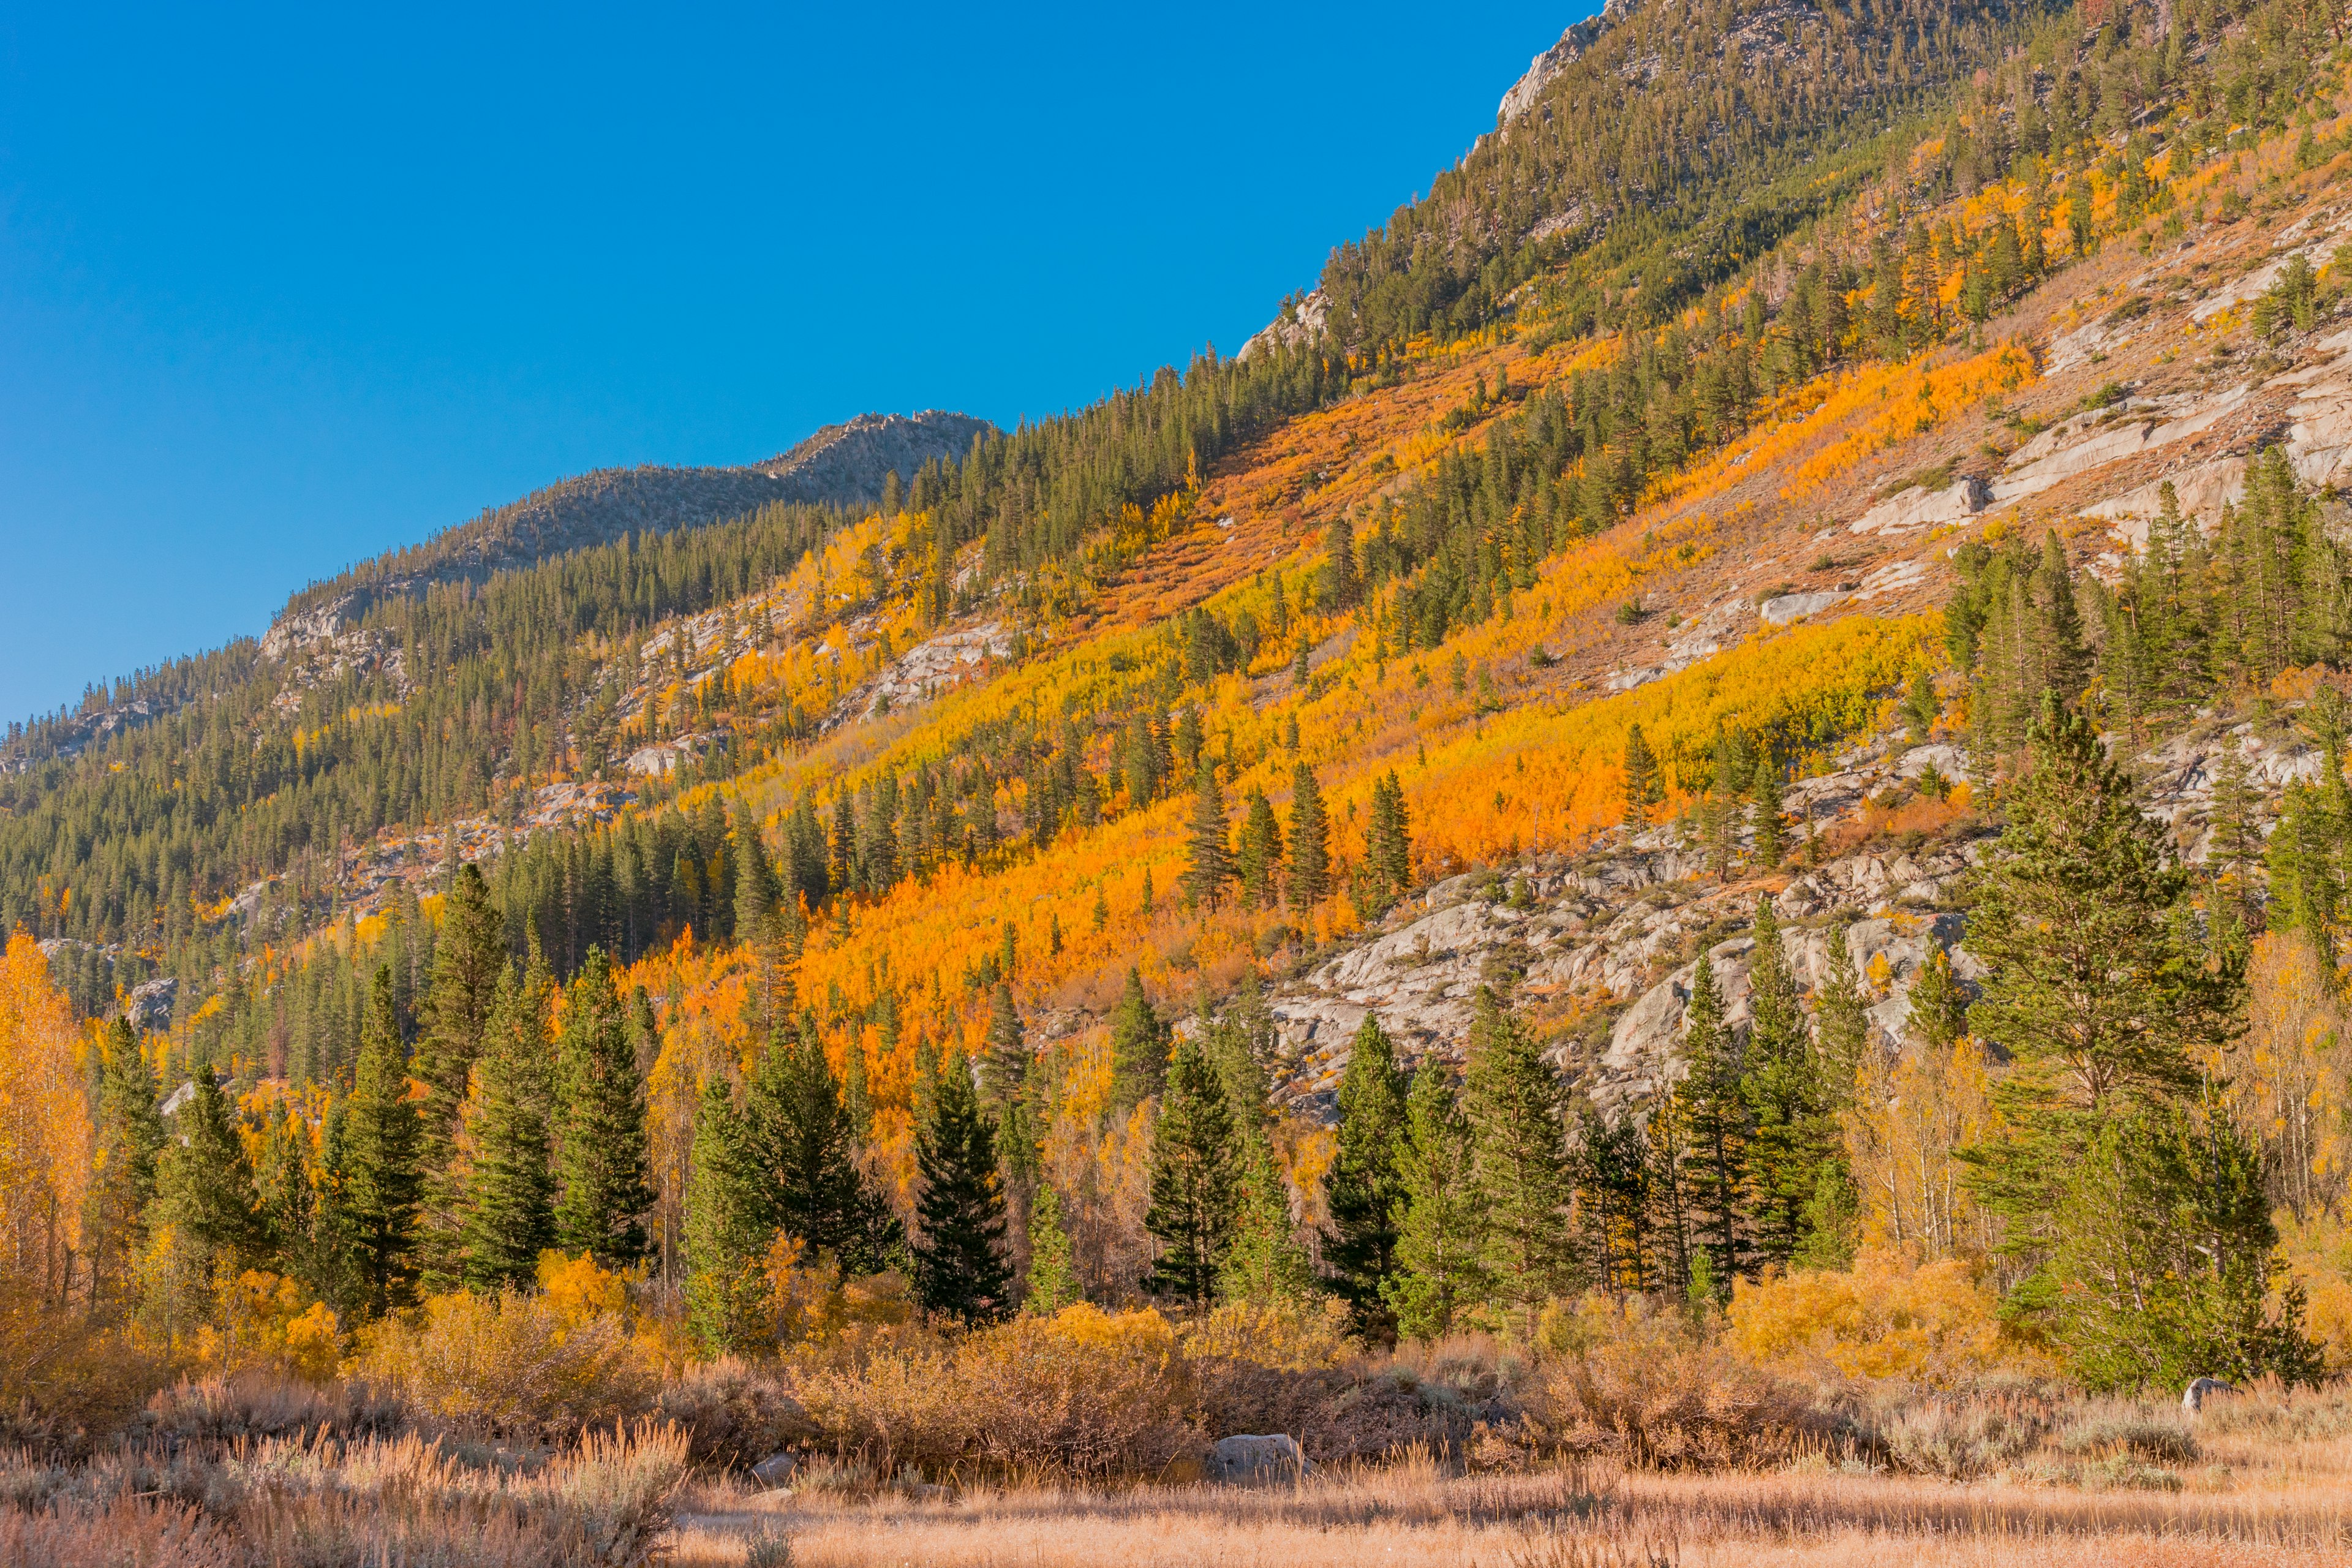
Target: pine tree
pixel 1261 853
pixel 1367 1182
pixel 2120 1182
pixel 1793 1136
pixel 509 1210
pixel 1842 1014
pixel 1440 1230
pixel 286 1190
pixel 1053 1281
pixel 1519 1158
pixel 726 1228
pixel 600 1125
pixel 129 1140
pixel 798 1133
pixel 1138 1049
pixel 1310 841
pixel 1263 1262
pixel 1716 1115
pixel 205 1188
pixel 1194 1186
pixel 1920 705
pixel 1765 815
pixel 1645 785
pixel 1211 865
pixel 959 1266
pixel 1611 1165
pixel 1006 1067
pixel 467 959
pixel 375 1180
pixel 1388 846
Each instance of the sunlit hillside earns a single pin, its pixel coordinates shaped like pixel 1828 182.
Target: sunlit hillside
pixel 1489 885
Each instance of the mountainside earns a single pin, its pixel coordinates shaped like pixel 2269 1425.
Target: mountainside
pixel 1640 618
pixel 841 466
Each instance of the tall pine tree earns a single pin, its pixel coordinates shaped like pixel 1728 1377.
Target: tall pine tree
pixel 1512 1099
pixel 600 1124
pixel 374 1183
pixel 1194 1185
pixel 1367 1182
pixel 508 1203
pixel 961 1269
pixel 1440 1220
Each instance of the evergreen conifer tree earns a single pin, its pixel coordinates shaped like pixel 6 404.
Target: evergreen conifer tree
pixel 600 1125
pixel 1367 1182
pixel 467 959
pixel 1645 785
pixel 1310 841
pixel 1194 1185
pixel 1053 1279
pixel 959 1265
pixel 1716 1172
pixel 1261 853
pixel 2123 1183
pixel 1211 865
pixel 508 1212
pixel 1139 1048
pixel 726 1231
pixel 1512 1099
pixel 1765 816
pixel 204 1186
pixel 375 1180
pixel 798 1133
pixel 1793 1136
pixel 129 1140
pixel 1440 1221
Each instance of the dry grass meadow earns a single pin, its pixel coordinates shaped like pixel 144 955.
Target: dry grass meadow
pixel 2264 1479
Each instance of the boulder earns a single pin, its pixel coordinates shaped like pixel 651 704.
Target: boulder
pixel 149 1006
pixel 776 1470
pixel 1248 1459
pixel 2203 1389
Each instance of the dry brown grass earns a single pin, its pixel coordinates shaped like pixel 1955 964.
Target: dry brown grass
pixel 1411 1514
pixel 2262 1478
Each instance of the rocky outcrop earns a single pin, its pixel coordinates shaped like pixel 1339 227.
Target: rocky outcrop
pixel 1300 323
pixel 149 1006
pixel 1546 67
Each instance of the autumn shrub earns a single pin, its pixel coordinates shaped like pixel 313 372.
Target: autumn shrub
pixel 2267 1407
pixel 1289 1336
pixel 1642 1384
pixel 1888 1316
pixel 733 1413
pixel 2128 1426
pixel 1085 1393
pixel 258 1403
pixel 1963 1438
pixel 509 1364
pixel 264 1320
pixel 67 1381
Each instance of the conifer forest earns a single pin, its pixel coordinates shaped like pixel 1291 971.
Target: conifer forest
pixel 1668 880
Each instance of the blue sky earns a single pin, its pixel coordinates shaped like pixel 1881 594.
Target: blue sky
pixel 279 289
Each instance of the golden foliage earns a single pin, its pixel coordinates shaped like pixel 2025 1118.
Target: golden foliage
pixel 45 1127
pixel 507 1362
pixel 1888 1316
pixel 1911 1112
